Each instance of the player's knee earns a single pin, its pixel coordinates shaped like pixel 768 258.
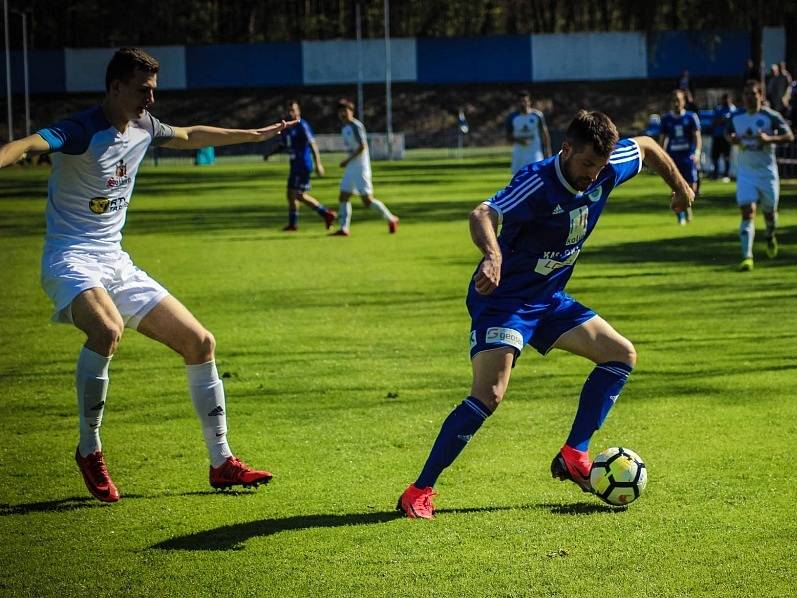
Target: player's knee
pixel 624 352
pixel 769 216
pixel 748 211
pixel 105 337
pixel 200 347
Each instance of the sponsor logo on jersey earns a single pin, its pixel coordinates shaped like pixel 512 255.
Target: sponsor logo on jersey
pixel 595 194
pixel 504 336
pixel 553 260
pixel 104 205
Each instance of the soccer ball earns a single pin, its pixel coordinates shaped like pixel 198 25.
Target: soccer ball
pixel 618 476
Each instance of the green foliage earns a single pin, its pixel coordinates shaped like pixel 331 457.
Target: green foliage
pixel 102 23
pixel 343 356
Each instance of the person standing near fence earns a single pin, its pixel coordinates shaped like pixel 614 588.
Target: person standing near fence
pixel 756 130
pixel 528 134
pixel 720 148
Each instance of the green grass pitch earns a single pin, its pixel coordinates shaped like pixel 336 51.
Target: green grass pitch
pixel 341 358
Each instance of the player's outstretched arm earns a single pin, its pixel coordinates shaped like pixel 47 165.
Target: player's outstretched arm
pixel 657 159
pixel 202 135
pixel 13 152
pixel 483 224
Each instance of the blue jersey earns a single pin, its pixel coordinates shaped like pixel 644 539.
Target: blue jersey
pixel 546 222
pixel 681 132
pixel 297 141
pixel 721 115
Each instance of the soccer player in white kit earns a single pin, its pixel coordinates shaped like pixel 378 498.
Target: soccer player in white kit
pixel 357 174
pixel 528 134
pixel 756 130
pixel 94 284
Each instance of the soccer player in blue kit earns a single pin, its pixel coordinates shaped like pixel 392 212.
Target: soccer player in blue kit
pixel 517 296
pixel 91 280
pixel 680 136
pixel 303 153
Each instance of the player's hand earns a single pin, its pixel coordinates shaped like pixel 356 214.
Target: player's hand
pixel 764 138
pixel 682 199
pixel 269 131
pixel 696 159
pixel 344 163
pixel 488 276
pixel 319 170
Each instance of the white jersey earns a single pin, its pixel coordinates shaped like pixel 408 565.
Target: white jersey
pixel 94 171
pixel 529 127
pixel 757 159
pixel 353 136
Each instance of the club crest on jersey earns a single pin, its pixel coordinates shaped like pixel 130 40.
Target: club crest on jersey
pixel 504 336
pixel 120 177
pixel 595 194
pixel 99 205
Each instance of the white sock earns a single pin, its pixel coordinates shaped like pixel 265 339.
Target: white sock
pixel 91 382
pixel 207 394
pixel 381 208
pixel 344 214
pixel 746 236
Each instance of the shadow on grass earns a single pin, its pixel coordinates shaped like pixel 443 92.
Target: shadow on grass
pixel 232 537
pixel 61 505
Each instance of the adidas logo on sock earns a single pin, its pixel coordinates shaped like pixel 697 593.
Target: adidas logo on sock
pixel 465 437
pixel 98 406
pixel 217 411
pixel 558 209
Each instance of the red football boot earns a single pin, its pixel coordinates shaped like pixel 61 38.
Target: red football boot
pixel 571 464
pixel 416 503
pixel 392 225
pixel 329 218
pixel 237 473
pixel 95 474
pixel 340 233
pixel 290 228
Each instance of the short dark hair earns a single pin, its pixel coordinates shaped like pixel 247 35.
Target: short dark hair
pixel 345 103
pixel 594 128
pixel 523 94
pixel 125 62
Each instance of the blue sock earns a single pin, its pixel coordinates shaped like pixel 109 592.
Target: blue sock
pixel 601 390
pixel 293 217
pixel 321 209
pixel 458 428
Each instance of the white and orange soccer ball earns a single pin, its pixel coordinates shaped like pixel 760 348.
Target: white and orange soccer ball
pixel 618 476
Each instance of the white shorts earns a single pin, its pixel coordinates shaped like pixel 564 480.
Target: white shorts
pixel 65 273
pixel 761 190
pixel 522 155
pixel 357 180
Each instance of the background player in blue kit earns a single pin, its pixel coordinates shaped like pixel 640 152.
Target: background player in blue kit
pixel 94 284
pixel 680 136
pixel 302 149
pixel 517 295
pixel 720 148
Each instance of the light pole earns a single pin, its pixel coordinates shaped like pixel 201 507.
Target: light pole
pixel 24 16
pixel 8 74
pixel 388 98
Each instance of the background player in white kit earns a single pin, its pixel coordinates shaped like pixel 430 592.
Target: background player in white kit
pixel 528 134
pixel 94 284
pixel 755 130
pixel 357 176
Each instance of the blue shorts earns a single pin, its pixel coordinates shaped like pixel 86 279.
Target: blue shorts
pixel 687 168
pixel 299 180
pixel 505 323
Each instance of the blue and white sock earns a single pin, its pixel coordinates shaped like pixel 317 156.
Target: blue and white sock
pixel 746 236
pixel 601 390
pixel 321 210
pixel 293 217
pixel 344 215
pixel 458 428
pixel 381 208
